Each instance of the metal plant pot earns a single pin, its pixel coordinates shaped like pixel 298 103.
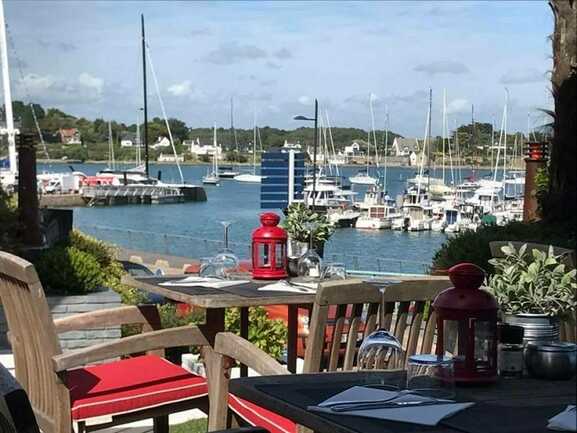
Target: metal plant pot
pixel 537 328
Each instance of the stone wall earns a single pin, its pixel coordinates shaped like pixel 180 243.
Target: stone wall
pixel 62 306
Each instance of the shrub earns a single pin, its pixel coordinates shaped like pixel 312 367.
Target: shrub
pixel 105 254
pixel 473 247
pixel 266 334
pixel 300 220
pixel 69 271
pixel 532 282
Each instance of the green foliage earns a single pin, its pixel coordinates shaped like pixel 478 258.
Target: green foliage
pixel 66 270
pixel 8 222
pixel 542 186
pixel 533 282
pixel 469 246
pixel 299 218
pixel 170 317
pixel 104 253
pixel 234 156
pixel 266 334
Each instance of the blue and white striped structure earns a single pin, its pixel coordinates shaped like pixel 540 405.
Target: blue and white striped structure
pixel 284 178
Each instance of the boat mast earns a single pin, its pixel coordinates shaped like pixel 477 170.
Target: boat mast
pixel 444 132
pixel 10 131
pixel 386 146
pixel 429 142
pixel 254 144
pixel 145 97
pixel 215 153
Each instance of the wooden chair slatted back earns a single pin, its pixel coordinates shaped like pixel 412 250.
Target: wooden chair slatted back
pixel 567 327
pixel 343 312
pixel 409 316
pixel 33 338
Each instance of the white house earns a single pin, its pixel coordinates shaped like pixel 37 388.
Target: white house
pixel 198 149
pixel 128 140
pixel 354 149
pixel 161 142
pixel 405 146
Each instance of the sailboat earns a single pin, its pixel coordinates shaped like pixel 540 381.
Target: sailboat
pixel 364 178
pixel 8 166
pixel 211 177
pixel 252 177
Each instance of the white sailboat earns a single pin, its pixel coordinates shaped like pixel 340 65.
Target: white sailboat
pixel 252 177
pixel 364 178
pixel 211 177
pixel 8 167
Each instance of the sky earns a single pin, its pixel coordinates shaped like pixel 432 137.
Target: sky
pixel 274 58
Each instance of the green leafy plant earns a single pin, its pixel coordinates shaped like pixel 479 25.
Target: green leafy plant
pixel 69 271
pixel 267 334
pixel 533 282
pixel 473 247
pixel 298 220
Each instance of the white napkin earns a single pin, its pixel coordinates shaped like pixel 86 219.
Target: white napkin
pixel 207 282
pixel 565 421
pixel 429 415
pixel 284 286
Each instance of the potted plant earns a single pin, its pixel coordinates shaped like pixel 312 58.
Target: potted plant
pixel 305 227
pixel 534 290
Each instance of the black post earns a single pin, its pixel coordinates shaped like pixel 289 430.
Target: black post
pixel 145 97
pixel 28 209
pixel 315 153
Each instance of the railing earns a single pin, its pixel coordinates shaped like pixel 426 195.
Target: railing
pixel 195 248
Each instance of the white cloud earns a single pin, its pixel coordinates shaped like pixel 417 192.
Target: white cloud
pixel 36 84
pixel 458 105
pixel 90 81
pixel 181 89
pixel 305 100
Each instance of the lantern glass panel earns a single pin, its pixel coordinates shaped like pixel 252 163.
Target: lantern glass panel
pixel 279 256
pixel 484 340
pixel 455 339
pixel 264 255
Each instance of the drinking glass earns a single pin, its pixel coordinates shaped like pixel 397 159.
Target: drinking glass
pixel 226 260
pixel 310 264
pixel 334 271
pixel 431 375
pixel 208 268
pixel 378 350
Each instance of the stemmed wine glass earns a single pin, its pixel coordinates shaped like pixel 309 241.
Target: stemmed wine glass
pixel 226 259
pixel 309 264
pixel 380 348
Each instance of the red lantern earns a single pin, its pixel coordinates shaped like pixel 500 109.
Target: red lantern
pixel 269 249
pixel 467 325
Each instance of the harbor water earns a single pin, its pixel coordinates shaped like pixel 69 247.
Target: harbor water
pixel 195 229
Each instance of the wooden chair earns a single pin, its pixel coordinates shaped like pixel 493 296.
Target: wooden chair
pixel 567 330
pixel 332 342
pixel 62 390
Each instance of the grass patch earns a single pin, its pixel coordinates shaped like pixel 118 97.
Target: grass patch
pixel 194 426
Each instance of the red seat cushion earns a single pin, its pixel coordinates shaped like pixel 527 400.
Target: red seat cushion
pixel 129 385
pixel 259 417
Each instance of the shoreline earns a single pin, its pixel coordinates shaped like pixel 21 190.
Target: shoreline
pixel 243 164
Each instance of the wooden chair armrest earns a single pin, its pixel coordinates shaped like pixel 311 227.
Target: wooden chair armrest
pixel 172 337
pixel 130 314
pixel 235 347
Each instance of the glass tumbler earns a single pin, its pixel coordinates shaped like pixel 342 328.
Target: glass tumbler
pixel 431 375
pixel 334 271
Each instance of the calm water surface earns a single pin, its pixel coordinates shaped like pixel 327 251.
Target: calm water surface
pixel 195 229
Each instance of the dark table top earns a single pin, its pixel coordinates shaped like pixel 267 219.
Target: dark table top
pixel 243 295
pixel 509 406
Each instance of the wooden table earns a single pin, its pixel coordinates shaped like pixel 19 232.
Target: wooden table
pixel 216 301
pixel 509 406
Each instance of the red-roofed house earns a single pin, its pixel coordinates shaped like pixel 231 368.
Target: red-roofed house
pixel 69 136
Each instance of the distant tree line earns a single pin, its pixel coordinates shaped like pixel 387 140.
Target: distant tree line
pixel 473 140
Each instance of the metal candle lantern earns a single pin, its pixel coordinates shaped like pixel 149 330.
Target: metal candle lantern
pixel 269 249
pixel 467 325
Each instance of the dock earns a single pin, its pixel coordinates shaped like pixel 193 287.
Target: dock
pixel 111 195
